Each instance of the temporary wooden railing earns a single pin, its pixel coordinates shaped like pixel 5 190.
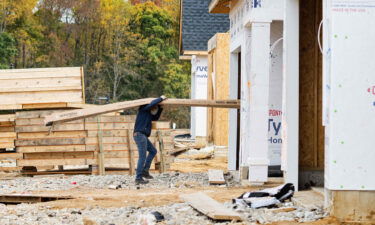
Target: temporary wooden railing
pixel 97 110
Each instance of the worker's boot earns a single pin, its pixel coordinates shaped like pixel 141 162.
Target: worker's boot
pixel 147 175
pixel 141 181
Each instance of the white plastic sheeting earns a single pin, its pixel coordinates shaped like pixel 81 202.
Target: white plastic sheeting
pixel 349 94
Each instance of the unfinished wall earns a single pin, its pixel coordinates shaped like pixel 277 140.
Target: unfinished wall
pixel 311 132
pixel 218 88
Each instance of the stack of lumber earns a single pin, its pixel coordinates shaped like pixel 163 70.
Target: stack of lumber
pixel 41 88
pixel 7 133
pixel 7 138
pixel 114 131
pixel 80 142
pixel 63 144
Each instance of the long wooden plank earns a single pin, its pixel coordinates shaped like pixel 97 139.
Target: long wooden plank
pixel 7 117
pixel 46 135
pixel 96 110
pixel 46 142
pixel 11 155
pixel 6 139
pixel 108 133
pixel 49 105
pixel 83 113
pixel 40 97
pixel 230 103
pixel 20 74
pixel 108 126
pixel 58 127
pixel 38 89
pixel 216 177
pixel 54 162
pixel 107 140
pixel 130 154
pixel 210 207
pixel 116 162
pixel 59 148
pixel 111 119
pixel 39 121
pixel 38 82
pixel 7 129
pixel 168 146
pixel 6 124
pixel 7 145
pixel 36 113
pixel 58 155
pixel 8 134
pixel 100 156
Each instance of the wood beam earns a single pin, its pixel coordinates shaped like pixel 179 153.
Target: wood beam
pixel 97 110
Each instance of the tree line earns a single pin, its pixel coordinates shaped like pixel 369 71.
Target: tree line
pixel 129 50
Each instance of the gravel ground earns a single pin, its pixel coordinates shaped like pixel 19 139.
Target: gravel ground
pixel 265 215
pixel 26 214
pixel 175 214
pixel 166 180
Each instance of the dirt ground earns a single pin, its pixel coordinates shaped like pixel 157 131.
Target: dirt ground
pixel 83 197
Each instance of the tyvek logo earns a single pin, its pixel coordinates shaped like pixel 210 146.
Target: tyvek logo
pixel 202 68
pixel 371 90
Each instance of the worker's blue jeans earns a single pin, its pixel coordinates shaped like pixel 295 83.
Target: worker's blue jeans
pixel 144 145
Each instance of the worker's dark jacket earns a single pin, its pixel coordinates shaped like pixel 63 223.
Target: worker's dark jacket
pixel 144 117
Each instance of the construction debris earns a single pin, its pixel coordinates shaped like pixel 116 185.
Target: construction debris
pixel 216 177
pixel 210 207
pixel 266 197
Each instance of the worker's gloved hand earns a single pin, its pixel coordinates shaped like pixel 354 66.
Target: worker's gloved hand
pixel 163 97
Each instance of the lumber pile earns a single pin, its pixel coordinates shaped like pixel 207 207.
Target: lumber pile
pixel 7 138
pixel 64 144
pixel 7 133
pixel 41 88
pixel 103 141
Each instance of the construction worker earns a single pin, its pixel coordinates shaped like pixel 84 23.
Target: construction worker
pixel 142 130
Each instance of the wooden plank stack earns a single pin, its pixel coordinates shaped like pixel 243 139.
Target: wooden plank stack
pixel 78 142
pixel 41 88
pixel 7 133
pixel 114 132
pixel 101 140
pixel 63 144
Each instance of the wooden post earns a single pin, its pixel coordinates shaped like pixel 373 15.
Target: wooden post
pixel 131 162
pixel 101 153
pixel 161 148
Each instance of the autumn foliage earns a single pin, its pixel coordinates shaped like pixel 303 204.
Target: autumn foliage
pixel 129 51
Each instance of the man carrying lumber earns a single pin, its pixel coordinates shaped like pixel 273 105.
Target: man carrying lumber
pixel 142 130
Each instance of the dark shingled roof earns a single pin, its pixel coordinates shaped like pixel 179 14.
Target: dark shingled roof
pixel 198 26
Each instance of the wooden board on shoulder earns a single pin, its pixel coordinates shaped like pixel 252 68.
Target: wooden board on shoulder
pixel 97 110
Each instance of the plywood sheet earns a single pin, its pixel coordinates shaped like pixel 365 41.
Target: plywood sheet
pixel 210 207
pixel 311 131
pixel 218 88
